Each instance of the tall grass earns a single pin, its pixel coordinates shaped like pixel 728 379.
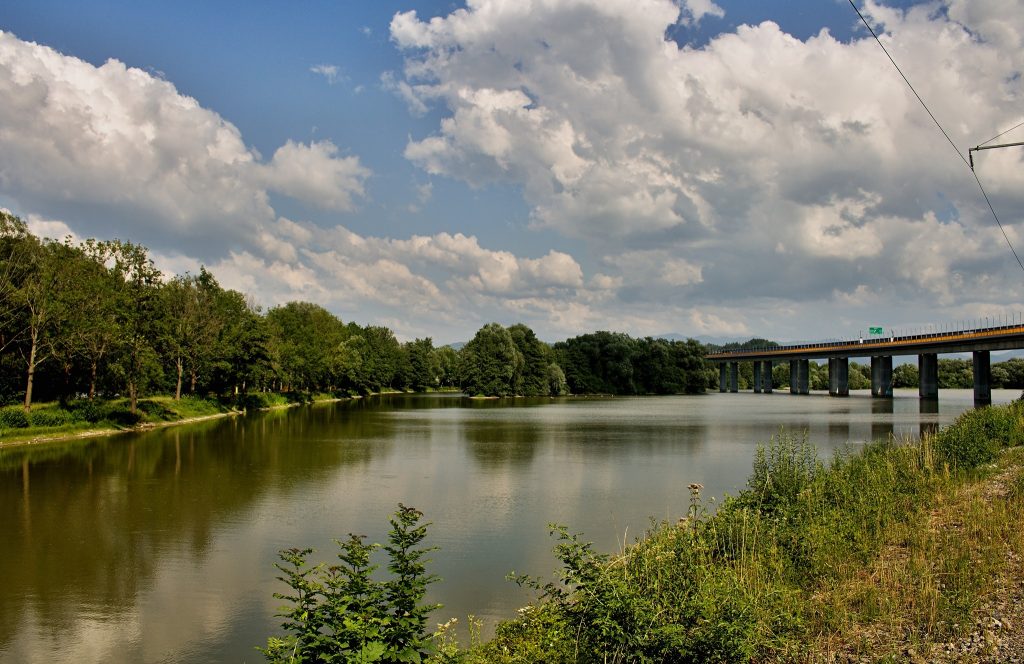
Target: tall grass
pixel 891 544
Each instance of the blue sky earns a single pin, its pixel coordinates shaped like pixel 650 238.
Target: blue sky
pixel 644 166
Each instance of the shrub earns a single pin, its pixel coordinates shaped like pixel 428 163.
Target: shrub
pixel 13 417
pixel 51 417
pixel 787 466
pixel 87 410
pixel 341 613
pixel 978 435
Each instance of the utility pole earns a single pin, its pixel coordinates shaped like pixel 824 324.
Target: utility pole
pixel 978 148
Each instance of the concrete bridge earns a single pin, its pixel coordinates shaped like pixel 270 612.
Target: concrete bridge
pixel 979 341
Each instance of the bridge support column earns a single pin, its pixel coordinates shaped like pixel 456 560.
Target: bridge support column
pixel 803 372
pixel 928 375
pixel 766 377
pixel 734 376
pixel 794 383
pixel 881 376
pixel 839 376
pixel 982 378
pixel 757 377
pixel 722 377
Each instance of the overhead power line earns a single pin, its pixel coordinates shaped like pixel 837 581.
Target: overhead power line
pixel 937 124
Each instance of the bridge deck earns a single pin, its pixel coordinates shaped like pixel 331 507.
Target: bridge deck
pixel 1007 337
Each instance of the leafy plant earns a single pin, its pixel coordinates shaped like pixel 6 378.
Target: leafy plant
pixel 340 613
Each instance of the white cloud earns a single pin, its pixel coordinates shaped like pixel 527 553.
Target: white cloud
pixel 315 174
pixel 759 165
pixel 695 10
pixel 142 157
pixel 52 229
pixel 330 72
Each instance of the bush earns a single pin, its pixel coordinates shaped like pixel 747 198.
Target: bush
pixel 51 417
pixel 341 613
pixel 787 466
pixel 977 435
pixel 87 410
pixel 13 417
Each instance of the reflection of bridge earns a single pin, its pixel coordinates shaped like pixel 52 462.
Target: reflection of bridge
pixel 927 347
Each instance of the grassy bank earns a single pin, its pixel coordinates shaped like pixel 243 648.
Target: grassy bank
pixel 55 420
pixel 885 554
pixel 900 551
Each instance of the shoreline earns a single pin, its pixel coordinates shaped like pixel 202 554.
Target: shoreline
pixel 85 434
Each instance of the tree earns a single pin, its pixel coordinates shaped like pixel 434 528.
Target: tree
pixel 16 247
pixel 955 373
pixel 242 355
pixel 491 362
pixel 304 338
pixel 533 379
pixel 424 365
pixel 1014 368
pixel 448 366
pixel 192 324
pixel 137 306
pixel 94 331
pixel 46 277
pixel 382 356
pixel 905 375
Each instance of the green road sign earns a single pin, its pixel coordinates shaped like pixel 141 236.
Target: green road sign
pixel 875 330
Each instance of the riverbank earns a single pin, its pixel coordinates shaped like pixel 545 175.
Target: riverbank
pixel 82 419
pixel 908 551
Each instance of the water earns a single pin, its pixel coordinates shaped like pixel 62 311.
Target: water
pixel 160 546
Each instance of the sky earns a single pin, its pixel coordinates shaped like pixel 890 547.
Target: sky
pixel 699 167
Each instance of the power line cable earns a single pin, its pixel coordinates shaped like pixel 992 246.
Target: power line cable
pixel 932 116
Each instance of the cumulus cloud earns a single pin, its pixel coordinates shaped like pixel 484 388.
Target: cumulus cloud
pixel 315 173
pixel 695 10
pixel 142 157
pixel 759 165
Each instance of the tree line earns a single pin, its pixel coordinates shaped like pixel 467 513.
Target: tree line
pixel 97 318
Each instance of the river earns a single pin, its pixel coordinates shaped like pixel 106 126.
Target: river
pixel 159 546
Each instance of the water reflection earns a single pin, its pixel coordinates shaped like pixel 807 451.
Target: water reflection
pixel 159 546
pixel 881 418
pixel 929 410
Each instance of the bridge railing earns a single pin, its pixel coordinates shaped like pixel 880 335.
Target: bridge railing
pixel 952 330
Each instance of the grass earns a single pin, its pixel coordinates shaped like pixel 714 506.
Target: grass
pixel 889 548
pixel 56 419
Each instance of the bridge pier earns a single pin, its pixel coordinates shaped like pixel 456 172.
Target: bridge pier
pixel 928 375
pixel 881 376
pixel 794 387
pixel 757 377
pixel 839 376
pixel 734 376
pixel 722 377
pixel 803 382
pixel 766 376
pixel 982 378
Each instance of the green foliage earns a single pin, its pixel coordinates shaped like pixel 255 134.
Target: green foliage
pixel 340 613
pixel 905 375
pixel 13 417
pixel 955 373
pixel 782 470
pixel 424 366
pixel 615 363
pixel 51 417
pixel 977 436
pixel 491 363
